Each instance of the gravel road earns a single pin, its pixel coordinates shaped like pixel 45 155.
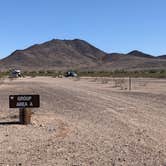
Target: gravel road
pixel 83 122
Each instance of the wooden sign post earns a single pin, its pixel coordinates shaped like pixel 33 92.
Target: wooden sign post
pixel 24 103
pixel 24 116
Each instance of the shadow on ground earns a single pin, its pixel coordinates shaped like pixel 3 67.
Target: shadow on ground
pixel 9 123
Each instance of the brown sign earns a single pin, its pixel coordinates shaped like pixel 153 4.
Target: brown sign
pixel 24 101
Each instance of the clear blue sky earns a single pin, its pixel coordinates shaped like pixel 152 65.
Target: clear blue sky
pixel 111 25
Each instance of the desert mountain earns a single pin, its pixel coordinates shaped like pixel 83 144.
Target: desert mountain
pixel 162 56
pixel 140 54
pixel 77 54
pixel 55 54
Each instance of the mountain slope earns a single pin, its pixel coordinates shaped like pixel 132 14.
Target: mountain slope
pixel 78 54
pixel 55 54
pixel 162 57
pixel 140 54
pixel 119 61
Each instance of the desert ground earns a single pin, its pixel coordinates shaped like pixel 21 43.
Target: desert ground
pixel 85 121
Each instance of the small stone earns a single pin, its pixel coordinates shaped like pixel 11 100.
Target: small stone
pixel 41 125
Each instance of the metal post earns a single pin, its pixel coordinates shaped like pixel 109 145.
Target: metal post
pixel 25 116
pixel 129 83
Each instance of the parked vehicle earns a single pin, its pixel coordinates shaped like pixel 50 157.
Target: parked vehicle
pixel 71 74
pixel 15 73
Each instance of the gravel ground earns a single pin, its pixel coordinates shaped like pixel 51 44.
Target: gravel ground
pixel 83 122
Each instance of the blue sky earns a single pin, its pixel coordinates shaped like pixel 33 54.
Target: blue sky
pixel 111 25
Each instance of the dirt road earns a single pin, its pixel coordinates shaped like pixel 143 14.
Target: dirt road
pixel 85 122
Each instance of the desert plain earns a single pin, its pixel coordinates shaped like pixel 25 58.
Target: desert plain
pixel 85 121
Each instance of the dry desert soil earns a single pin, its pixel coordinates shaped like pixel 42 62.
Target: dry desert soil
pixel 84 122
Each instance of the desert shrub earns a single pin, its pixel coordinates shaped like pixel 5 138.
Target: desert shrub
pixel 152 71
pixel 95 74
pixel 31 73
pixel 119 83
pixel 104 80
pixel 41 73
pixel 4 74
pixel 162 71
pixel 51 73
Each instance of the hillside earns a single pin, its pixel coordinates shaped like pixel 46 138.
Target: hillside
pixel 132 61
pixel 140 54
pixel 162 57
pixel 80 55
pixel 55 54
